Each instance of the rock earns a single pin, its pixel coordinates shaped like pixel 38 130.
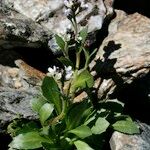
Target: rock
pixel 109 6
pixel 16 30
pixel 15 95
pixel 120 141
pixel 50 14
pixel 13 72
pixel 35 9
pixel 125 54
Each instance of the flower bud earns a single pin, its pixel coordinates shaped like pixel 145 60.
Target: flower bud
pixel 69 13
pixel 53 45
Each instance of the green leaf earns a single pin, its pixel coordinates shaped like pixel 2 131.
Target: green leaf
pixel 48 146
pixel 80 145
pixel 19 126
pixel 83 80
pixel 89 120
pixel 66 143
pixel 75 114
pixel 66 61
pixel 37 103
pixel 81 131
pixel 100 126
pixel 113 105
pixel 28 127
pixel 30 140
pixel 45 112
pixel 45 130
pixel 83 33
pixel 126 126
pixel 51 92
pixel 60 42
pixel 119 117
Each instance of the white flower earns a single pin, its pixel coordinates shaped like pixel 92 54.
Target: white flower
pixel 68 76
pixel 58 76
pixel 68 72
pixel 51 71
pixel 57 73
pixel 54 72
pixel 68 69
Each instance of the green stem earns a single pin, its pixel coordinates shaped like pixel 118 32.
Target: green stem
pixel 86 64
pixel 66 51
pixel 76 35
pixel 75 25
pixel 61 115
pixel 77 60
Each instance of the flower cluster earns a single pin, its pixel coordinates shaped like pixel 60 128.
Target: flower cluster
pixel 68 72
pixel 72 4
pixel 57 73
pixel 74 7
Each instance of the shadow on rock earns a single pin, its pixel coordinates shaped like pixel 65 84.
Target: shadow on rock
pixel 135 95
pixel 105 67
pixel 137 98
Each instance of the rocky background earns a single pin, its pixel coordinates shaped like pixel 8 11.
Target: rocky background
pixel 120 29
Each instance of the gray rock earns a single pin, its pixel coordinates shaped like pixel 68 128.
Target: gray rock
pixel 125 54
pixel 16 30
pixel 15 95
pixel 50 14
pixel 35 9
pixel 120 141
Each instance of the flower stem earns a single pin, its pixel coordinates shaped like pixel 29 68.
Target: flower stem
pixel 77 60
pixel 75 26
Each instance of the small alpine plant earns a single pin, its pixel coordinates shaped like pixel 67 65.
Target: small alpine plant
pixel 63 123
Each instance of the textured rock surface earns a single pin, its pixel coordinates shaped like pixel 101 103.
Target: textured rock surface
pixel 125 54
pixel 16 30
pixel 50 14
pixel 35 9
pixel 120 141
pixel 15 95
